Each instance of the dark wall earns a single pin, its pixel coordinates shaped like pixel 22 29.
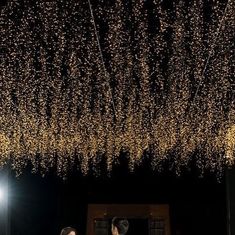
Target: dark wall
pixel 44 205
pixel 230 180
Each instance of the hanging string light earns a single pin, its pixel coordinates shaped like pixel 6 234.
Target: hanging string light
pixel 87 81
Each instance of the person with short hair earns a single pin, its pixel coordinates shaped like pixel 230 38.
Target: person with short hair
pixel 68 231
pixel 120 226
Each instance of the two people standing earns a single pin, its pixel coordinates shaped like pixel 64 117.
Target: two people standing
pixel 119 226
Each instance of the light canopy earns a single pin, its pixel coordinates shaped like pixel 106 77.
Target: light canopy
pixel 86 80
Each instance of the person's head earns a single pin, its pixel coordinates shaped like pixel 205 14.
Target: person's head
pixel 68 231
pixel 119 226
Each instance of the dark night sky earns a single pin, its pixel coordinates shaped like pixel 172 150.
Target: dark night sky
pixel 44 205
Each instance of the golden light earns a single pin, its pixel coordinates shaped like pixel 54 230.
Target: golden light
pixel 82 80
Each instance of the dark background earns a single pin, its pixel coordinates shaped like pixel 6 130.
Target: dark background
pixel 43 205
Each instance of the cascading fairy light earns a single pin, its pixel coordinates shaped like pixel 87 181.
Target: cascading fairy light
pixel 82 81
pixel 4 141
pixel 210 98
pixel 118 51
pixel 223 75
pixel 144 108
pixel 106 91
pixel 159 49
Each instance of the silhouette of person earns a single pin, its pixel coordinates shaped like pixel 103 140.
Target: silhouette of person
pixel 68 231
pixel 119 226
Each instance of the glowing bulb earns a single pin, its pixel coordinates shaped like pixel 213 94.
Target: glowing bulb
pixel 2 194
